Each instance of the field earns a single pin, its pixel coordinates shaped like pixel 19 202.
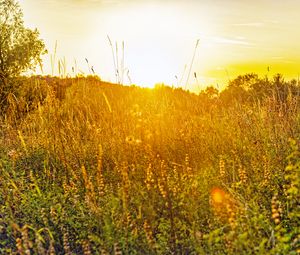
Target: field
pixel 88 167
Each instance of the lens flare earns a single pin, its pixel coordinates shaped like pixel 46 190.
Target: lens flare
pixel 218 196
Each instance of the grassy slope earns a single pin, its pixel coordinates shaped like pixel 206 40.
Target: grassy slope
pixel 107 168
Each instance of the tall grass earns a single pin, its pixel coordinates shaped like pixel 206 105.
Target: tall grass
pixel 94 168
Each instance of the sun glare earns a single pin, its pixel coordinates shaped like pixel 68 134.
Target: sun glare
pixel 159 40
pixel 218 195
pixel 150 127
pixel 160 36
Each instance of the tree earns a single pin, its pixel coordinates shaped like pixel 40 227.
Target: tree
pixel 20 47
pixel 245 81
pixel 211 92
pixel 239 89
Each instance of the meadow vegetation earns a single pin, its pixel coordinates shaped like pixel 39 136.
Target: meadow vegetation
pixel 88 167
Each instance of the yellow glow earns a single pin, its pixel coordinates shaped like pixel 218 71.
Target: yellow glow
pixel 235 37
pixel 218 195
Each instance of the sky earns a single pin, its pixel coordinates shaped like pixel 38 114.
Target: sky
pixel 160 39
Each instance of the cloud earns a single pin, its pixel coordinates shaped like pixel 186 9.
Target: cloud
pixel 277 58
pixel 83 3
pixel 235 41
pixel 250 24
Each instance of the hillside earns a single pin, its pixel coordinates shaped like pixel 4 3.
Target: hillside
pixel 88 167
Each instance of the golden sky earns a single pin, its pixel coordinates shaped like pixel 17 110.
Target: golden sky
pixel 235 37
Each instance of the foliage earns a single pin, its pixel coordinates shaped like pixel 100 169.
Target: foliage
pixel 96 168
pixel 20 47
